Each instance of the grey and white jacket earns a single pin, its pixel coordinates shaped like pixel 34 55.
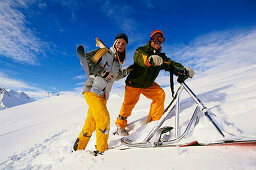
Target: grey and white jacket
pixel 96 83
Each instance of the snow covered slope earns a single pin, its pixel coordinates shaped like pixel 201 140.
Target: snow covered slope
pixel 11 98
pixel 40 135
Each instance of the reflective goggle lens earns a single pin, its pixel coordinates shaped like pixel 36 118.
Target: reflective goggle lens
pixel 158 39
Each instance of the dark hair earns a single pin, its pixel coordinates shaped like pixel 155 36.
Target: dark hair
pixel 122 36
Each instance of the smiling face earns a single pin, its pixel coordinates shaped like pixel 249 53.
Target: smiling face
pixel 156 41
pixel 120 45
pixel 156 46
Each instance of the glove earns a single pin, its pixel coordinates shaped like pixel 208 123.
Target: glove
pixel 190 73
pixel 182 78
pixel 187 73
pixel 107 75
pixel 155 60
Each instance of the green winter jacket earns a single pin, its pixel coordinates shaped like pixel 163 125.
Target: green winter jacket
pixel 144 74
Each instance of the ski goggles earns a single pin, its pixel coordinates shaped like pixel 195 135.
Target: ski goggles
pixel 158 39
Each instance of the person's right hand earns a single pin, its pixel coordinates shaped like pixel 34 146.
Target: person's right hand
pixel 107 75
pixel 155 60
pixel 188 73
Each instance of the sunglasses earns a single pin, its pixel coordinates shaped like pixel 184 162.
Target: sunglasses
pixel 158 39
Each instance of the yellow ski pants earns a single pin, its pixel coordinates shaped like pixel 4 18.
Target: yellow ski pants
pixel 97 119
pixel 131 97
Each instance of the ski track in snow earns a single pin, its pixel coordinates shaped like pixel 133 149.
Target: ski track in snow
pixel 230 98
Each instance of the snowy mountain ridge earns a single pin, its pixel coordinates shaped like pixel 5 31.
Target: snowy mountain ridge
pixel 10 98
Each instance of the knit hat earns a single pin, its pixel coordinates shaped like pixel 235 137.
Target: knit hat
pixel 156 32
pixel 122 36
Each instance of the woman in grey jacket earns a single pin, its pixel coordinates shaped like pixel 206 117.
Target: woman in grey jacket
pixel 96 92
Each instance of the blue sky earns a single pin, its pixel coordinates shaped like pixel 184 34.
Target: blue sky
pixel 38 38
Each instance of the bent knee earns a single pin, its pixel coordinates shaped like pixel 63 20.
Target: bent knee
pixel 160 95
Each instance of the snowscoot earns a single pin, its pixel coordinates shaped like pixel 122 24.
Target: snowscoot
pixel 179 140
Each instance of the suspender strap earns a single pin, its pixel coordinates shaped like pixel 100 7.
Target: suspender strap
pixel 99 54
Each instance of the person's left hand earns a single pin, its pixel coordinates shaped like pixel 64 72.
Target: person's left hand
pixel 188 73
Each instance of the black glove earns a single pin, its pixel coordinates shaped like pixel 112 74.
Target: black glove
pixel 175 70
pixel 182 78
pixel 184 74
pixel 107 75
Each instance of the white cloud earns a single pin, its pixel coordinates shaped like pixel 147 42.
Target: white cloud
pixel 39 94
pixel 80 77
pixel 42 5
pixel 80 84
pixel 32 91
pixel 148 3
pixel 218 51
pixel 121 13
pixel 75 91
pixel 13 83
pixel 18 41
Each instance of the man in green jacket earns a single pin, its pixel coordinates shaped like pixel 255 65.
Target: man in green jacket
pixel 148 61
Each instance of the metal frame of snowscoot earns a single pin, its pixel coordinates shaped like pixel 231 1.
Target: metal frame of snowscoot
pixel 157 132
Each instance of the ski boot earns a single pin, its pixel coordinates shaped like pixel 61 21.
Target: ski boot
pixel 121 132
pixel 75 145
pixel 96 153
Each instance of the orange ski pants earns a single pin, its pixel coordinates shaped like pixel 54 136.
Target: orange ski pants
pixel 97 119
pixel 131 97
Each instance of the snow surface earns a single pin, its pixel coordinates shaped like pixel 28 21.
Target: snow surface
pixel 11 98
pixel 41 134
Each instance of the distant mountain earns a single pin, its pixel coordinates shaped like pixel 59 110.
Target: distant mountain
pixel 11 98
